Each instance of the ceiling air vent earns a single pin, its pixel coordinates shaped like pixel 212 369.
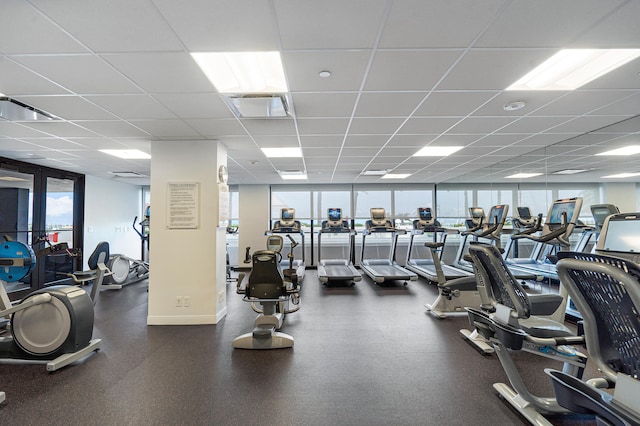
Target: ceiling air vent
pixel 128 174
pixel 13 110
pixel 258 106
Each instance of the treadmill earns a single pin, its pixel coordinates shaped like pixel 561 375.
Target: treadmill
pixel 341 270
pixel 554 236
pixel 382 270
pixel 290 226
pixel 425 266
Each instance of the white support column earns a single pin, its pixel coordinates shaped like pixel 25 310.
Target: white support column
pixel 187 282
pixel 254 208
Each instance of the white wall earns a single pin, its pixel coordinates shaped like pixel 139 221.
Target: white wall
pixel 187 262
pixel 622 195
pixel 109 209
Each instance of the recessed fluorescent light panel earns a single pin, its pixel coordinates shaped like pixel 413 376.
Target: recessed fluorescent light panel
pixel 282 152
pixel 627 150
pixel 571 68
pixel 381 172
pixel 292 174
pixel 622 175
pixel 523 175
pixel 396 176
pixel 127 154
pixel 569 171
pixel 128 174
pixel 243 72
pixel 437 151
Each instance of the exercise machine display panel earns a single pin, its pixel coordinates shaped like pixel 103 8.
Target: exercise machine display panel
pixel 621 236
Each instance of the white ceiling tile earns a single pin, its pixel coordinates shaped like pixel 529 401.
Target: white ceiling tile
pixel 618 29
pixel 585 124
pixel 195 105
pixel 347 69
pixel 427 125
pixel 273 126
pixel 62 129
pixel 166 72
pixel 67 107
pixel 19 131
pixel 208 26
pixel 584 101
pixel 545 23
pixel 416 23
pixel 323 104
pixel 419 70
pixel 489 69
pixel 81 74
pixel 166 128
pixel 378 125
pixel 320 126
pixel 113 128
pixel 16 80
pixel 113 26
pixel 24 30
pixel 342 25
pixel 218 128
pixel 481 125
pixel 133 107
pixel 329 144
pixel 533 124
pixel 453 103
pixel 388 104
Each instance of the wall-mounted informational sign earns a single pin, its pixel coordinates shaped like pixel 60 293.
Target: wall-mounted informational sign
pixel 183 205
pixel 223 203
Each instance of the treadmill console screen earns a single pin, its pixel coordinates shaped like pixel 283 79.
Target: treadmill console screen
pixel 378 214
pixel 287 214
pixel 476 212
pixel 334 214
pixel 601 212
pixel 524 212
pixel 623 236
pixel 425 213
pixel 559 207
pixel 496 215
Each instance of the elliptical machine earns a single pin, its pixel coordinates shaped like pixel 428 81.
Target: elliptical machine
pixel 273 289
pixel 51 326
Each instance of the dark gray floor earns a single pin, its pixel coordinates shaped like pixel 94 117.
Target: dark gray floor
pixel 363 355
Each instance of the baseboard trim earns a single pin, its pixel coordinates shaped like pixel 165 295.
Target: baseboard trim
pixel 186 319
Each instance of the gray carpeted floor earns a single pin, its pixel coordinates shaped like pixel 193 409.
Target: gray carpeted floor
pixel 363 355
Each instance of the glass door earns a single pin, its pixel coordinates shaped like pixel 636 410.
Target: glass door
pixel 58 231
pixel 16 215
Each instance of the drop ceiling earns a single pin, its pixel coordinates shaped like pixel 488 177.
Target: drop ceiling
pixel 404 74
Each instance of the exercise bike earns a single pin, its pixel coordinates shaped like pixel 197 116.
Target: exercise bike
pixel 51 326
pixel 274 290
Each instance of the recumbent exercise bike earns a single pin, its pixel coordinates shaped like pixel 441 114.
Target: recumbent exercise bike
pixel 277 291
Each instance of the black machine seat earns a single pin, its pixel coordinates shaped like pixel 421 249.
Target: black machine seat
pixel 506 290
pixel 606 291
pixel 266 280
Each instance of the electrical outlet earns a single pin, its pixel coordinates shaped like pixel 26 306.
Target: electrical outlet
pixel 178 301
pixel 186 301
pixel 221 297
